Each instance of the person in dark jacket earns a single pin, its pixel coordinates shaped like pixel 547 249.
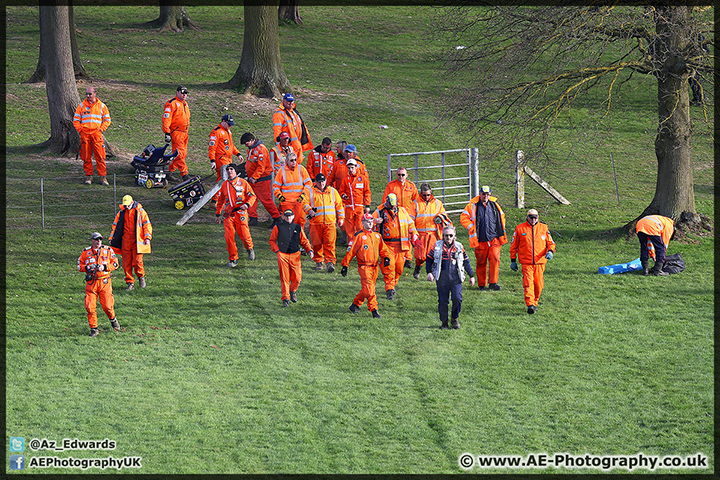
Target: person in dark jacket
pixel 447 264
pixel 286 239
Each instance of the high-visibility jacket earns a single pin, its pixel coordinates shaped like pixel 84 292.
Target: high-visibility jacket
pixel 176 116
pixel 319 162
pixel 89 117
pixel 291 183
pixel 341 170
pixel 221 147
pixel 469 216
pixel 258 164
pixel 102 256
pixel 136 216
pixel 278 156
pixel 406 193
pixel 368 247
pixel 290 122
pixel 530 244
pixel 396 228
pixel 234 193
pixel 326 203
pixel 357 189
pixel 423 214
pixel 656 225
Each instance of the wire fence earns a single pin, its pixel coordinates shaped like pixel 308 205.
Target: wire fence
pixel 66 202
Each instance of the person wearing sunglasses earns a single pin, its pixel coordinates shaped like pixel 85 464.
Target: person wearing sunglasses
pixel 424 212
pixel 446 265
pixel 533 246
pixel 485 221
pixel 175 125
pixel 91 120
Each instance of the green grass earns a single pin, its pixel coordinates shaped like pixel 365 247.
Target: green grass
pixel 210 375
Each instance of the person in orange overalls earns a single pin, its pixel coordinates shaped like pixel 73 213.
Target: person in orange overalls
pixel 423 212
pixel 289 187
pixel 287 119
pixel 236 197
pixel 654 233
pixel 368 247
pixel 97 261
pixel 259 169
pixel 134 232
pixel 485 221
pixel 398 232
pixel 533 246
pixel 91 119
pixel 325 208
pixel 280 152
pixel 322 160
pixel 286 239
pixel 356 195
pixel 221 148
pixel 176 125
pixel 406 193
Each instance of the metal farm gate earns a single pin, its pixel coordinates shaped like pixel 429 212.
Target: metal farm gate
pixel 454 178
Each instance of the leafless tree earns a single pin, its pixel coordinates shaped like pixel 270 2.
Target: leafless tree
pixel 524 66
pixel 173 17
pixel 80 73
pixel 260 71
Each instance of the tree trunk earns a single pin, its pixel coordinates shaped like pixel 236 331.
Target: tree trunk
pixel 674 189
pixel 79 70
pixel 290 10
pixel 260 72
pixel 62 92
pixel 173 17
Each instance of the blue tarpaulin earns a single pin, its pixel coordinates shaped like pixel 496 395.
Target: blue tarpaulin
pixel 621 267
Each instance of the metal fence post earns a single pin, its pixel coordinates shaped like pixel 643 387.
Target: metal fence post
pixel 475 172
pixel 42 203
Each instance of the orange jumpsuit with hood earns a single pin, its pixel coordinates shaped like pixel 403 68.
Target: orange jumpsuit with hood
pixel 234 194
pixel 368 247
pixel 134 228
pixel 529 245
pixel 100 287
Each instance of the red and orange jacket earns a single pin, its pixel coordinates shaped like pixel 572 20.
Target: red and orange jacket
pixel 258 164
pixel 234 193
pixel 221 147
pixel 327 204
pixel 176 116
pixel 530 244
pixel 319 162
pixel 132 217
pixel 469 216
pixel 368 246
pixel 89 118
pixel 341 170
pixel 291 183
pixel 396 228
pixel 357 190
pixel 102 256
pixel 406 193
pixel 290 122
pixel 423 214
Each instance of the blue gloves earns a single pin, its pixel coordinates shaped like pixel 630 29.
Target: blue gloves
pixel 513 265
pixel 549 255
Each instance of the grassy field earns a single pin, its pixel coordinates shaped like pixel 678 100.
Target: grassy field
pixel 210 375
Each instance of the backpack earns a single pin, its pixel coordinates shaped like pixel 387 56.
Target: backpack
pixel 674 264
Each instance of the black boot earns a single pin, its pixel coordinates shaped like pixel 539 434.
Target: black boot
pixel 657 269
pixel 645 267
pixel 444 325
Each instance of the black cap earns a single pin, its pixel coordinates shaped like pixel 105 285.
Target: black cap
pixel 320 177
pixel 228 118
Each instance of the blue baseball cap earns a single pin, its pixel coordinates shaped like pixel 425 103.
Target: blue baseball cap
pixel 485 189
pixel 229 119
pixel 351 148
pixel 289 97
